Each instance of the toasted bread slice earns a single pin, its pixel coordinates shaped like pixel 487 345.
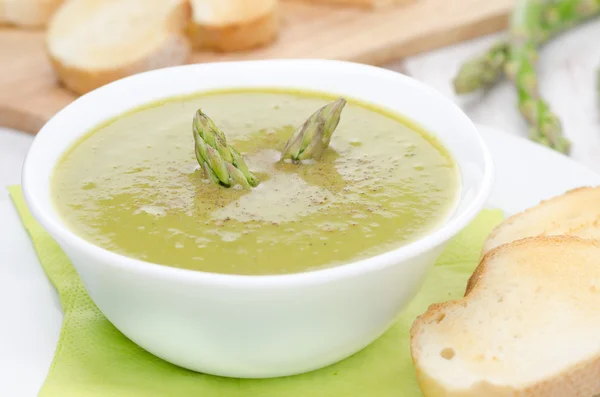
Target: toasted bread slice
pixel 27 13
pixel 233 25
pixel 576 212
pixel 529 325
pixel 94 42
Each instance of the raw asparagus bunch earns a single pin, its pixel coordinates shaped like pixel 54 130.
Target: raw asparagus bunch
pixel 221 162
pixel 545 127
pixel 313 137
pixel 484 70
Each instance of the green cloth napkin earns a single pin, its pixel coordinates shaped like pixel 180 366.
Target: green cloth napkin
pixel 93 359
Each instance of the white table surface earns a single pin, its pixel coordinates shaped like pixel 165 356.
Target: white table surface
pixel 567 80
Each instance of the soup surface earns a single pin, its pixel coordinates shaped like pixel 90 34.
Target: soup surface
pixel 133 186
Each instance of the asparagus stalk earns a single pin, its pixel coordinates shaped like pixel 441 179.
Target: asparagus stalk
pixel 313 137
pixel 484 70
pixel 221 162
pixel 545 127
pixel 561 15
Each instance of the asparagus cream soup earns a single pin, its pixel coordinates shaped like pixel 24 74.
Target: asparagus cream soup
pixel 139 185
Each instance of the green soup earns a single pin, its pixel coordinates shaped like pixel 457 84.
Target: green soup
pixel 133 186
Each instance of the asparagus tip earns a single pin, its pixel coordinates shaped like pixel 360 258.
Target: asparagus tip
pixel 313 137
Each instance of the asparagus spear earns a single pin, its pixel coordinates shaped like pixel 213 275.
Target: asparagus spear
pixel 313 137
pixel 486 69
pixel 483 70
pixel 545 127
pixel 221 162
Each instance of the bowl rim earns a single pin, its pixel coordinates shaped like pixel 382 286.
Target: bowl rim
pixel 443 233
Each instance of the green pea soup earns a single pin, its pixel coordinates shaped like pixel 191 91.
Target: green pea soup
pixel 133 186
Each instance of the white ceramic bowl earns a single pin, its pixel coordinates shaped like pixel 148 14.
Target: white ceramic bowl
pixel 258 326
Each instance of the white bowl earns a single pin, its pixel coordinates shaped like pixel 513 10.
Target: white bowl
pixel 258 326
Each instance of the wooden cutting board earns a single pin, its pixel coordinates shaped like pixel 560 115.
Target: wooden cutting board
pixel 30 93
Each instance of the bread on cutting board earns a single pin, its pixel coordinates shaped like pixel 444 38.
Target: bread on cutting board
pixel 233 25
pixel 529 325
pixel 27 13
pixel 576 212
pixel 94 42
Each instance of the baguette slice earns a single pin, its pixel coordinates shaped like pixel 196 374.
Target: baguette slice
pixel 529 325
pixel 233 25
pixel 27 13
pixel 94 42
pixel 576 212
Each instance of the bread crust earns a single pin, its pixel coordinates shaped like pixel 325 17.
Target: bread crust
pixel 581 380
pixel 236 36
pixel 537 240
pixel 576 230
